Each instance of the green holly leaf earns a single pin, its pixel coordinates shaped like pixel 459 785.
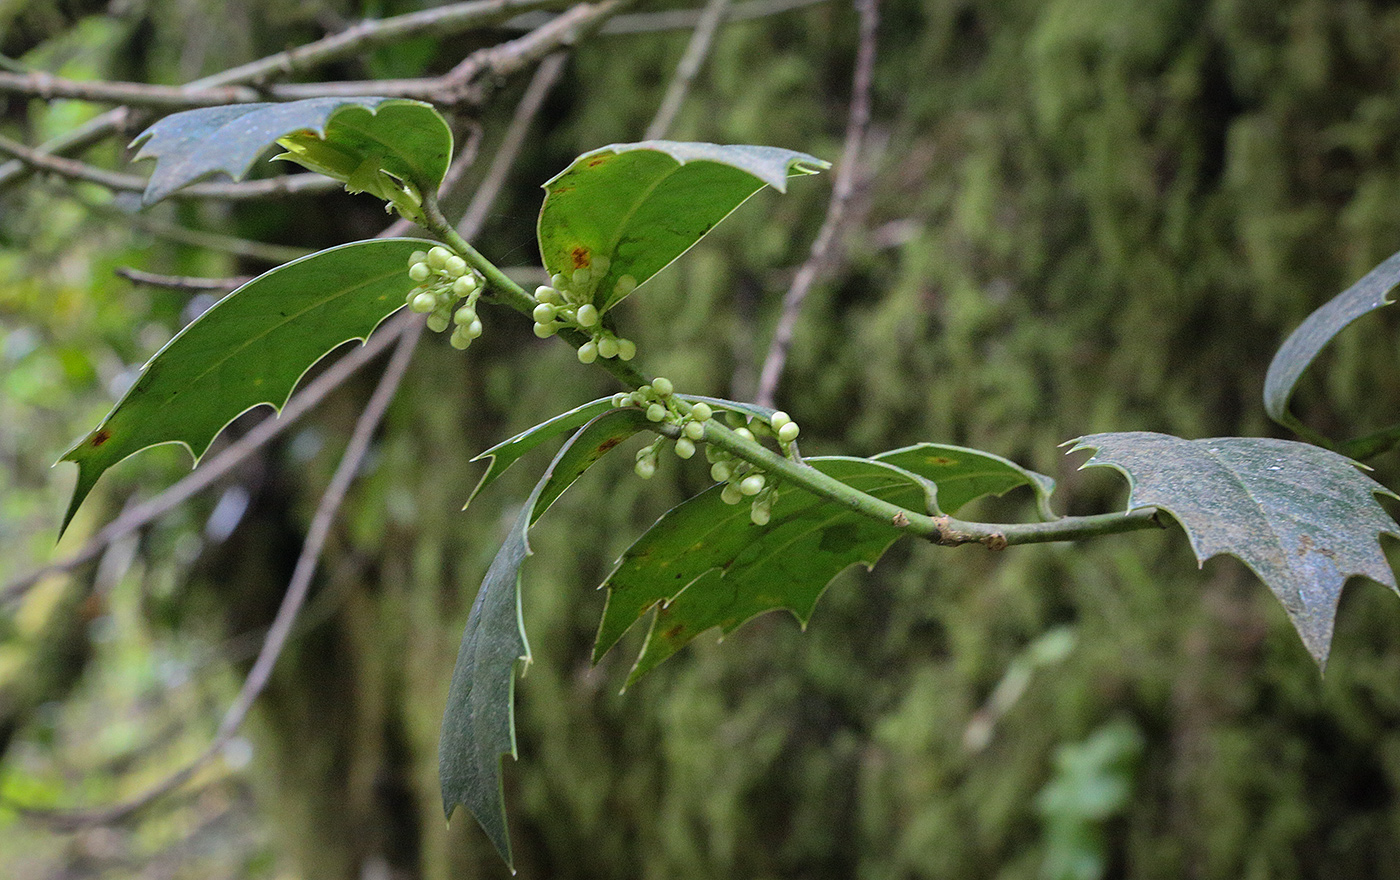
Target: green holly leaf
pixel 1303 518
pixel 705 564
pixel 1305 343
pixel 508 452
pixel 393 148
pixel 250 348
pixel 963 475
pixel 623 212
pixel 479 724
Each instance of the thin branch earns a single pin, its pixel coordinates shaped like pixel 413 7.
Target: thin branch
pixel 181 282
pixel 823 248
pixel 443 21
pixel 689 67
pixel 685 19
pixel 475 76
pixel 47 87
pixel 71 169
pixel 282 624
pixel 214 241
pixel 530 103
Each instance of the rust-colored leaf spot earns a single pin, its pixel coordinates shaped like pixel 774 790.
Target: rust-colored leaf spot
pixel 581 257
pixel 597 160
pixel 101 437
pixel 671 633
pixel 940 460
pixel 608 444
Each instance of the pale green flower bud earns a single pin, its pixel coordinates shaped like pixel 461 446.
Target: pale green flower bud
pixel 760 514
pixel 601 264
pixel 720 472
pixel 423 303
pixel 465 285
pixel 626 349
pixel 547 295
pixel 474 329
pixel 544 313
pixel 788 432
pixel 455 267
pixel 744 433
pixel 656 412
pixel 465 315
pixel 662 386
pixel 559 281
pixel 587 313
pixel 419 272
pixel 438 256
pixel 695 430
pixel 608 347
pixel 622 398
pixel 544 331
pixel 625 285
pixel 588 352
pixel 417 257
pixel 437 322
pixel 701 412
pixel 731 495
pixel 752 484
pixel 685 447
pixel 646 467
pixel 582 276
pixel 459 340
pixel 778 419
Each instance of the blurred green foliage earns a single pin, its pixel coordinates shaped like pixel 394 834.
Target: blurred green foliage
pixel 1082 217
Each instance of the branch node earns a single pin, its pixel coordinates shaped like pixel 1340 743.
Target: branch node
pixel 900 521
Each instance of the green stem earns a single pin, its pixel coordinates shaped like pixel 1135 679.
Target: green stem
pixel 1371 445
pixel 944 530
pixel 504 291
pixel 938 529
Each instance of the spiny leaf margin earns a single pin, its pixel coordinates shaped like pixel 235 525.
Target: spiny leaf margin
pixel 266 349
pixel 1301 517
pixel 478 726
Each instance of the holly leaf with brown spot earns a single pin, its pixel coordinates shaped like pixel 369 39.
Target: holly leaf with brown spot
pixel 622 213
pixel 251 348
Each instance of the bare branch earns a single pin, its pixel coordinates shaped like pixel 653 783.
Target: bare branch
pixel 475 76
pixel 71 169
pixel 181 282
pixel 695 52
pixel 443 21
pixel 824 247
pixel 286 613
pixel 545 78
pixel 47 87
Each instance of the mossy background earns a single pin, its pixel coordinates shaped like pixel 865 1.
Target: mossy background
pixel 1076 217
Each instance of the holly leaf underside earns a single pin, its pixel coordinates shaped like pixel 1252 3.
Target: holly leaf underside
pixel 963 474
pixel 506 453
pixel 1305 343
pixel 642 205
pixel 478 727
pixel 1303 518
pixel 250 348
pixel 705 564
pixel 350 139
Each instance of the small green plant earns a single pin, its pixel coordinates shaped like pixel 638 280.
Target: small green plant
pixel 776 527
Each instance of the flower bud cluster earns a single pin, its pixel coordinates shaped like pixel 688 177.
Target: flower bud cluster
pixel 744 480
pixel 662 406
pixel 444 280
pixel 567 301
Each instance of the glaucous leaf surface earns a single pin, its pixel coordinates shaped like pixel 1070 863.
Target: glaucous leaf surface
pixel 508 452
pixel 250 348
pixel 1311 336
pixel 1303 518
pixel 623 212
pixel 479 724
pixel 350 139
